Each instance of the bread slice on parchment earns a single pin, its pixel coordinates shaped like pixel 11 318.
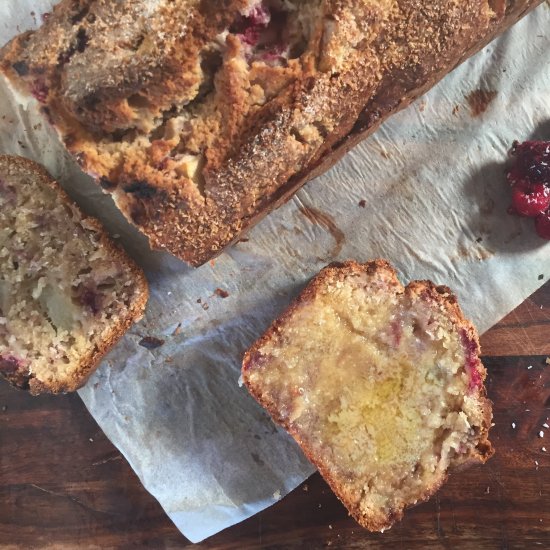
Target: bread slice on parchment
pixel 200 117
pixel 67 292
pixel 380 384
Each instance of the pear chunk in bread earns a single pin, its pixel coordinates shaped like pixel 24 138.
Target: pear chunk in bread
pixel 380 384
pixel 67 292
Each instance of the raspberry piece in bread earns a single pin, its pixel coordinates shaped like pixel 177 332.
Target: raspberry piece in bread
pixel 67 292
pixel 380 384
pixel 530 180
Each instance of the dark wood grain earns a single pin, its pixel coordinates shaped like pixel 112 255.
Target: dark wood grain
pixel 63 485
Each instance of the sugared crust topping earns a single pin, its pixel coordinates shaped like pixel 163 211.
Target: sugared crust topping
pixel 224 108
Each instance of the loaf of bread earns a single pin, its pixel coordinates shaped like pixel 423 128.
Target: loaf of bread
pixel 381 386
pixel 199 117
pixel 67 292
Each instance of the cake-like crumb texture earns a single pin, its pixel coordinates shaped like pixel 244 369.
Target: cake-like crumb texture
pixel 67 292
pixel 380 384
pixel 199 117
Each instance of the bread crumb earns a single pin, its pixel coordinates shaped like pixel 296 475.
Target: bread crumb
pixel 221 293
pixel 151 342
pixel 362 203
pixel 277 495
pixel 541 434
pixel 529 367
pixel 240 381
pixel 513 425
pixel 543 449
pixel 548 358
pixel 305 488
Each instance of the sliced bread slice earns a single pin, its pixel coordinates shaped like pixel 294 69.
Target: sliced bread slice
pixel 380 384
pixel 67 292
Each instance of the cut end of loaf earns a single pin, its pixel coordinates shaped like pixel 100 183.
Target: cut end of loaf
pixel 381 385
pixel 67 293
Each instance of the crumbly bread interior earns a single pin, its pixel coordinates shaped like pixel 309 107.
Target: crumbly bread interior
pixel 196 115
pixel 380 385
pixel 66 292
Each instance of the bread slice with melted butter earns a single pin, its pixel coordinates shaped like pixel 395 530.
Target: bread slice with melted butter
pixel 380 384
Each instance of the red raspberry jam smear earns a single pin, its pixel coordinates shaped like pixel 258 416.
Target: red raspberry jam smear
pixel 532 162
pixel 529 177
pixel 531 202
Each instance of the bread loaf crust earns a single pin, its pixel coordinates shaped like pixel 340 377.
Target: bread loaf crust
pixel 426 291
pixel 196 135
pixel 90 361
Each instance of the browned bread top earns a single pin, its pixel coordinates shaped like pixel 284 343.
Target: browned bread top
pixel 67 292
pixel 200 116
pixel 380 384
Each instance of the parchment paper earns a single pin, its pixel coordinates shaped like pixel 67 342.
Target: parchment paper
pixel 427 192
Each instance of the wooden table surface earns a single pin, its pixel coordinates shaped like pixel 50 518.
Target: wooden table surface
pixel 64 485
